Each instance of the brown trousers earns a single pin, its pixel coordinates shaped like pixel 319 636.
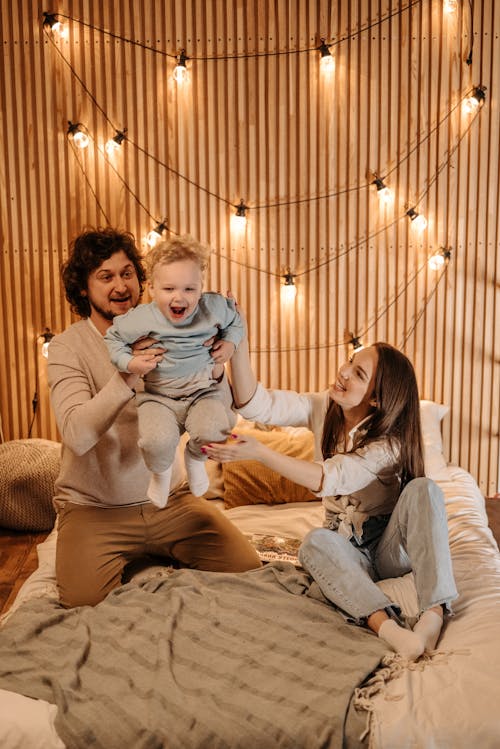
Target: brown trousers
pixel 94 544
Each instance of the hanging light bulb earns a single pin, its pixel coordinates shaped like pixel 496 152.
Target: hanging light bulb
pixel 288 289
pixel 45 339
pixel 239 219
pixel 156 234
pixel 418 221
pixel 383 192
pixel 327 60
pixel 450 6
pixel 180 70
pixel 115 142
pixel 439 258
pixel 356 343
pixel 78 134
pixel 474 101
pixel 52 23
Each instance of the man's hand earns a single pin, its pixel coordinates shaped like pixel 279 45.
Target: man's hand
pixel 222 351
pixel 141 365
pixel 147 354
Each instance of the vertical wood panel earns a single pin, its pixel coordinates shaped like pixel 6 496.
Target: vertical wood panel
pixel 258 120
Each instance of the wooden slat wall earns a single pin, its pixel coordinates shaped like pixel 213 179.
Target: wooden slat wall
pixel 257 120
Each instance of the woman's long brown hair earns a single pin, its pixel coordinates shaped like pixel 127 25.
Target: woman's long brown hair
pixel 395 417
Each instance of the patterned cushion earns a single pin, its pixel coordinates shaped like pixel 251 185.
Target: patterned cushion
pixel 28 470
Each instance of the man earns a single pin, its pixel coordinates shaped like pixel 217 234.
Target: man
pixel 104 517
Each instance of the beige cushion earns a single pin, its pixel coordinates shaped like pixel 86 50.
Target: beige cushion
pixel 28 470
pixel 248 482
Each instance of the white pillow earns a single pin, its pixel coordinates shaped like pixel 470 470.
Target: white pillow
pixel 431 416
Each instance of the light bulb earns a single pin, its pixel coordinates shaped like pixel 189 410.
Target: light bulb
pixel 52 23
pixel 436 261
pixel 474 101
pixel 356 343
pixel 112 146
pixel 45 339
pixel 450 6
pixel 180 71
pixel 288 289
pixel 327 60
pixel 239 219
pixel 471 104
pixel 418 221
pixel 439 259
pixel 156 234
pixel 115 142
pixel 383 192
pixel 81 139
pixel 78 133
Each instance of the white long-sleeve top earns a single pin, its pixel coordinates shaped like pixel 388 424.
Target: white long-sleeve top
pixel 356 485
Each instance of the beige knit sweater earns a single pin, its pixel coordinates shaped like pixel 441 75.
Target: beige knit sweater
pixel 96 415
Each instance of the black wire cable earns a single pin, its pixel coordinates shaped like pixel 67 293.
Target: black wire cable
pixel 276 53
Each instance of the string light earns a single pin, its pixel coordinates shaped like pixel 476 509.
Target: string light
pixel 180 70
pixel 240 217
pixel 450 6
pixel 78 134
pixel 327 60
pixel 115 142
pixel 383 192
pixel 474 101
pixel 238 55
pixel 257 206
pixel 156 234
pixel 45 339
pixel 356 343
pixel 52 23
pixel 417 220
pixel 439 258
pixel 288 289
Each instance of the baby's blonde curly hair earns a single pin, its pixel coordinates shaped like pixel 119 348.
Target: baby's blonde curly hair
pixel 177 248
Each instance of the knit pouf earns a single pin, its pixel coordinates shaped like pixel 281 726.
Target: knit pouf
pixel 28 470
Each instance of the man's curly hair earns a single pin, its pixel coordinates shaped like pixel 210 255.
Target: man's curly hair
pixel 86 253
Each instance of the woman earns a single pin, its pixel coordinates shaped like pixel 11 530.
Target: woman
pixel 382 517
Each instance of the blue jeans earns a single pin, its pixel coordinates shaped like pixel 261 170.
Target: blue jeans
pixel 415 538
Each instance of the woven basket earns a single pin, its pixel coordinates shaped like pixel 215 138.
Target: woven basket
pixel 28 470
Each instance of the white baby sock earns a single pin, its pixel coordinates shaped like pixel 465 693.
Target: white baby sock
pixel 428 628
pixel 402 641
pixel 159 487
pixel 196 475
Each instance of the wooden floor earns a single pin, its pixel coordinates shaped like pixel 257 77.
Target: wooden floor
pixel 18 559
pixel 18 555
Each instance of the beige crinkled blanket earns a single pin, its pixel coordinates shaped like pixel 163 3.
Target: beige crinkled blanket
pixel 194 660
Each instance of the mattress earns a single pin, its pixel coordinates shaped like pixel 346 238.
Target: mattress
pixel 446 701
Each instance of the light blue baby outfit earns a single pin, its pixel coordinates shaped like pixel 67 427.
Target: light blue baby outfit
pixel 181 393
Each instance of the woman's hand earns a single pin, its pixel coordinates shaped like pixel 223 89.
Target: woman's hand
pixel 243 447
pixel 238 447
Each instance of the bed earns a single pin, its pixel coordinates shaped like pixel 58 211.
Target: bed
pixel 180 658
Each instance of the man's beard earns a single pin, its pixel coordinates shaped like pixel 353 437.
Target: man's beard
pixel 107 314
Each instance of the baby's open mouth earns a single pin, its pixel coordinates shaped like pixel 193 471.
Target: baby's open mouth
pixel 177 312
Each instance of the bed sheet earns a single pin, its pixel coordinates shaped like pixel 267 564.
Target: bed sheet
pixel 447 702
pixel 451 700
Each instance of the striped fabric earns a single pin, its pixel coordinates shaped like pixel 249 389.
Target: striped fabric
pixel 195 660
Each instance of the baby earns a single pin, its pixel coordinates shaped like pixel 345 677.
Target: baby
pixel 186 391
